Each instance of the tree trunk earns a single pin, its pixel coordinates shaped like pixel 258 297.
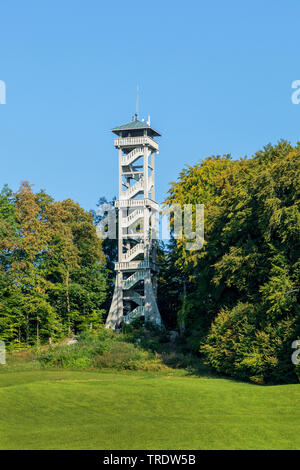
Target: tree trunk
pixel 27 328
pixel 37 331
pixel 182 322
pixel 68 302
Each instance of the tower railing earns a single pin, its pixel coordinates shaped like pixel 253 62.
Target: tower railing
pixel 133 252
pixel 132 156
pixel 133 217
pixel 133 190
pixel 142 202
pixel 137 312
pixel 134 141
pixel 133 279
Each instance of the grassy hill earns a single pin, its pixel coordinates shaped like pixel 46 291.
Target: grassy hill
pixel 65 409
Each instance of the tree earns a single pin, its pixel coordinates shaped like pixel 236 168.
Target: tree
pixel 249 265
pixel 52 275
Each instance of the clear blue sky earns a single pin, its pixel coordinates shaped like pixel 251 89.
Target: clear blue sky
pixel 215 76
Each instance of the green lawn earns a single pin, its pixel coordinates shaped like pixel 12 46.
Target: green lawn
pixel 111 410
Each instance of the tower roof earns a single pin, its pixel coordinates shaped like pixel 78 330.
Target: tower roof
pixel 135 125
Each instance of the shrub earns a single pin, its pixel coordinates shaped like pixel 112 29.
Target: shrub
pixel 122 356
pixel 238 345
pixel 103 350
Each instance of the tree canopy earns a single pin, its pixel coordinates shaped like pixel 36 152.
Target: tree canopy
pixel 241 309
pixel 52 268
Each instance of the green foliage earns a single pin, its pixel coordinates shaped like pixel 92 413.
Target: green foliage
pixel 52 275
pixel 243 291
pixel 122 355
pixel 147 335
pixel 102 350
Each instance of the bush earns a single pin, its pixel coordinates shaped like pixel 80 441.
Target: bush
pixel 104 350
pixel 120 356
pixel 146 335
pixel 127 356
pixel 237 345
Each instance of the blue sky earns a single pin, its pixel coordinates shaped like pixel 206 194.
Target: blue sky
pixel 215 77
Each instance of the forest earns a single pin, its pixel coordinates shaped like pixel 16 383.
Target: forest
pixel 234 303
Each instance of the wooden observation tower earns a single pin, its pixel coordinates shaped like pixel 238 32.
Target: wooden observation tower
pixel 136 270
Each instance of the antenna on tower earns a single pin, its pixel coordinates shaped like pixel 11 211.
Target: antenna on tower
pixel 137 102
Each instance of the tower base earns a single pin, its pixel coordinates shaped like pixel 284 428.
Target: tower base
pixel 148 309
